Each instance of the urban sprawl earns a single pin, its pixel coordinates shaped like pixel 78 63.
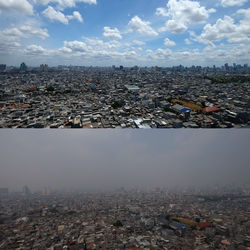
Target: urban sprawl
pixel 122 97
pixel 186 218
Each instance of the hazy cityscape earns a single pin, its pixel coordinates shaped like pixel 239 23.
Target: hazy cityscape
pixel 75 189
pixel 126 219
pixel 125 97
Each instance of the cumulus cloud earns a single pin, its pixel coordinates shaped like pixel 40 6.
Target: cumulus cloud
pixel 140 43
pixel 58 16
pixel 76 15
pixel 22 6
pixel 169 42
pixel 97 51
pixel 55 15
pixel 226 28
pixel 187 41
pixel 112 33
pixel 136 24
pixel 75 46
pixel 26 31
pixel 35 50
pixel 62 4
pixel 229 3
pixel 97 44
pixel 182 13
pixel 8 44
pixel 10 38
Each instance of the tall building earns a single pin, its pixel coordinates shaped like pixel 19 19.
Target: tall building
pixel 46 191
pixel 26 190
pixel 226 67
pixel 23 67
pixel 2 67
pixel 44 67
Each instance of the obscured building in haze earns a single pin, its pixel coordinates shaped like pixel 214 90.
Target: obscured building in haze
pixel 4 191
pixel 26 190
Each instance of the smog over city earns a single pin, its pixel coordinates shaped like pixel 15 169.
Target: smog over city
pixel 132 159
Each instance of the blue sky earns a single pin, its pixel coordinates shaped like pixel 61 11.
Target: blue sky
pixel 126 32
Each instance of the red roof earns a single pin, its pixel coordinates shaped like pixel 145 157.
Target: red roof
pixel 203 225
pixel 210 109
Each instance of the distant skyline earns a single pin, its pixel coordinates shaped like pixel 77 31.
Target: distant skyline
pixel 131 32
pixel 103 159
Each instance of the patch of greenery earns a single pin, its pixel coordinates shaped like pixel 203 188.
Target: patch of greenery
pixel 50 88
pixel 118 223
pixel 224 79
pixel 116 105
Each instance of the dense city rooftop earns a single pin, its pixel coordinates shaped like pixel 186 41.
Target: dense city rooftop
pixel 86 97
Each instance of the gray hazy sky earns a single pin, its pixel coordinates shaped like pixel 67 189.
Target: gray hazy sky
pixel 115 158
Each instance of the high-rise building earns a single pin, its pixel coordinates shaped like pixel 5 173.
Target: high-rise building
pixel 46 191
pixel 44 67
pixel 2 67
pixel 23 67
pixel 26 190
pixel 226 67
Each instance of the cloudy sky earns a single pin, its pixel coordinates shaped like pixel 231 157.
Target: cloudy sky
pixel 127 32
pixel 100 159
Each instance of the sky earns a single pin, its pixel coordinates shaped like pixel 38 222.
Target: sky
pixel 124 32
pixel 109 159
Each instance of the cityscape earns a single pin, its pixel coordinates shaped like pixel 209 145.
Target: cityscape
pixel 124 125
pixel 125 190
pixel 124 97
pixel 188 218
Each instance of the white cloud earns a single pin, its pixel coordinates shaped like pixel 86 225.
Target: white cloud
pixel 181 14
pixel 187 41
pixel 35 50
pixel 169 42
pixel 174 27
pixel 62 4
pixel 229 3
pixel 97 44
pixel 140 43
pixel 112 33
pixel 97 51
pixel 142 27
pixel 75 46
pixel 76 15
pixel 161 12
pixel 8 44
pixel 55 15
pixel 34 31
pixel 25 31
pixel 227 29
pixel 22 6
pixel 10 38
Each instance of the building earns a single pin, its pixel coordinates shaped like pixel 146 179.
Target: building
pixel 2 67
pixel 26 190
pixel 44 67
pixel 132 88
pixel 23 67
